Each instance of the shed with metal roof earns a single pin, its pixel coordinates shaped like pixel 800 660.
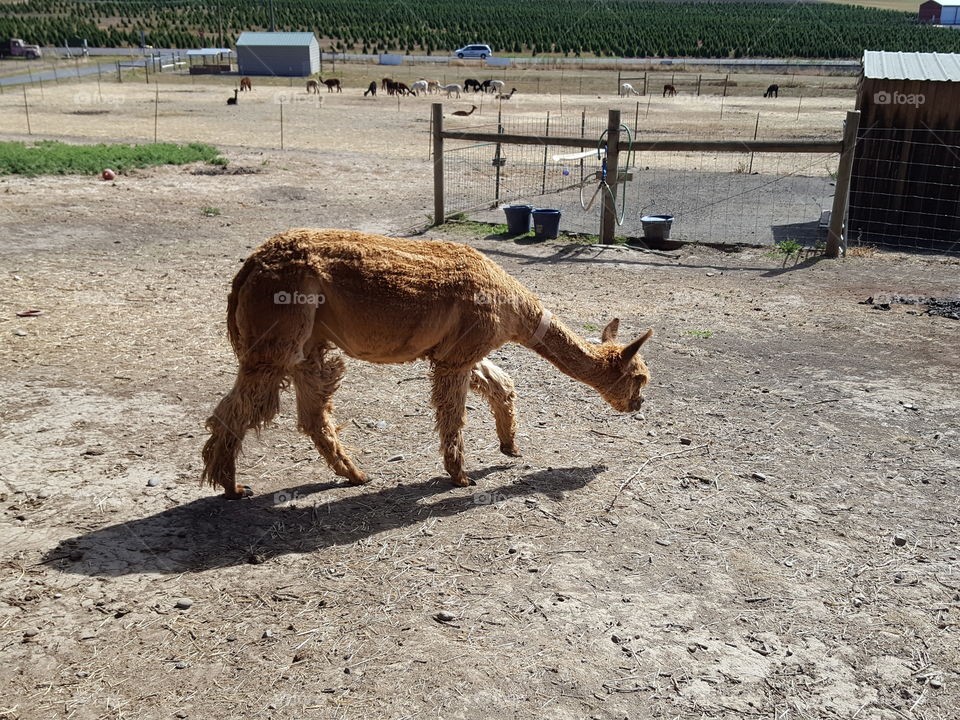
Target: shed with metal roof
pixel 906 172
pixel 288 54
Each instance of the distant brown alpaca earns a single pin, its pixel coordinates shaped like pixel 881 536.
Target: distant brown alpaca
pixel 233 100
pixel 331 84
pixel 385 83
pixel 371 90
pixel 507 97
pixel 245 84
pixel 313 86
pixel 304 293
pixel 464 113
pixel 669 90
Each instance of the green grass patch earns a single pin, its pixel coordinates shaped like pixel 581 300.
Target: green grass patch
pixel 49 157
pixel 700 333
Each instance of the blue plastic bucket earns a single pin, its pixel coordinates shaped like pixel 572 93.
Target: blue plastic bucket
pixel 546 223
pixel 518 219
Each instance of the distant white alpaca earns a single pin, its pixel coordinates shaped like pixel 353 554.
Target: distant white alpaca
pixel 450 89
pixel 496 86
pixel 627 89
pixel 433 86
pixel 420 86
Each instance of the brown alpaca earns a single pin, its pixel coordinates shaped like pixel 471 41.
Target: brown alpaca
pixel 669 90
pixel 304 293
pixel 313 86
pixel 465 113
pixel 331 84
pixel 245 84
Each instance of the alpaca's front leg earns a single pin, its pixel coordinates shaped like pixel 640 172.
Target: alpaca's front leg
pixel 493 384
pixel 449 399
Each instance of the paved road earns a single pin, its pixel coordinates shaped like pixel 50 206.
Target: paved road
pixel 68 73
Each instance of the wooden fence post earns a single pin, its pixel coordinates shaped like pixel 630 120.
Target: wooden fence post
pixel 841 195
pixel 437 115
pixel 608 215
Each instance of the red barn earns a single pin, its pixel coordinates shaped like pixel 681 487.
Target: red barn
pixel 939 13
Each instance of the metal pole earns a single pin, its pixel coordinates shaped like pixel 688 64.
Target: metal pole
pixel 799 103
pixel 543 178
pixel 498 158
pixel 437 115
pixel 583 132
pixel 756 129
pixel 841 195
pixel 281 125
pixel 156 111
pixel 26 109
pixel 608 216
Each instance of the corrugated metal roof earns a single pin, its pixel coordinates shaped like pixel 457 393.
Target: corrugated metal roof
pixel 276 39
pixel 942 67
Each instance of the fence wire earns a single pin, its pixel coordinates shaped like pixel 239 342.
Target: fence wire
pixel 715 197
pixel 903 189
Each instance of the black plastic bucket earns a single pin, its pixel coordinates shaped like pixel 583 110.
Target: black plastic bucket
pixel 518 219
pixel 656 227
pixel 546 223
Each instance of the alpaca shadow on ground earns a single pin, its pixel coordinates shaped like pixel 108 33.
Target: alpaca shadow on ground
pixel 211 532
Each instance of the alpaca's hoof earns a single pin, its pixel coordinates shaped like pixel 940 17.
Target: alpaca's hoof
pixel 462 481
pixel 510 450
pixel 240 492
pixel 358 479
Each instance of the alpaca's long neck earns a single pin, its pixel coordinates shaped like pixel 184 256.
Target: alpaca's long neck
pixel 567 352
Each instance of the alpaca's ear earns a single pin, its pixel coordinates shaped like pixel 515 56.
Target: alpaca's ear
pixel 630 350
pixel 610 331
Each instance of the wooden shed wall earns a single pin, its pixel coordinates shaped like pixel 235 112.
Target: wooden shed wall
pixel 905 189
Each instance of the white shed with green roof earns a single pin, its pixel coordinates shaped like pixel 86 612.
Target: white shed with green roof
pixel 289 54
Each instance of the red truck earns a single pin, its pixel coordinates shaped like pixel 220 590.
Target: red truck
pixel 16 47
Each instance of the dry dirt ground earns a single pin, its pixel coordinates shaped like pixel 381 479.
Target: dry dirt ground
pixel 775 536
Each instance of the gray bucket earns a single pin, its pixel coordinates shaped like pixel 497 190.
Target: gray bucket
pixel 656 227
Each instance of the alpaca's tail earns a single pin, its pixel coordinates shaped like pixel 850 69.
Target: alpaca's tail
pixel 233 330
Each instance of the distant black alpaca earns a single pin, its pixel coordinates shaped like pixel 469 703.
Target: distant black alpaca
pixel 372 90
pixel 772 91
pixel 233 100
pixel 669 91
pixel 471 84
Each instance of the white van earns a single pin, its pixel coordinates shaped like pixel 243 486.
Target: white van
pixel 474 51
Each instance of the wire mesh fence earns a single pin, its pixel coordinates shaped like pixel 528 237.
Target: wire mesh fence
pixel 903 190
pixel 715 197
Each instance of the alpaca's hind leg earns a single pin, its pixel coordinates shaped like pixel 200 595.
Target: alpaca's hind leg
pixel 492 383
pixel 316 380
pixel 449 398
pixel 253 401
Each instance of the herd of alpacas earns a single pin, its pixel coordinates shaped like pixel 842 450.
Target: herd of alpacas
pixel 306 298
pixel 423 86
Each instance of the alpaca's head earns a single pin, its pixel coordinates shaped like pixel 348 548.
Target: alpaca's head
pixel 624 373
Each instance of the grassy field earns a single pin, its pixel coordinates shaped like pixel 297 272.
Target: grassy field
pixel 56 158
